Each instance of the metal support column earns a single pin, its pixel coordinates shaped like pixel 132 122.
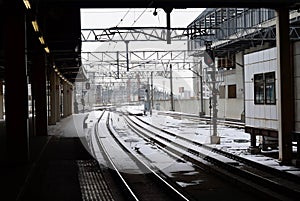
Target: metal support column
pixel 39 91
pixel 16 87
pixel 57 99
pixel 52 117
pixel 171 89
pixel 168 16
pixel 71 100
pixel 152 91
pixel 214 138
pixel 65 102
pixel 1 100
pixel 200 74
pixel 285 89
pixel 127 55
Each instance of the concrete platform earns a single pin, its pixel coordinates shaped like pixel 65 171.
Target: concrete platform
pixel 55 169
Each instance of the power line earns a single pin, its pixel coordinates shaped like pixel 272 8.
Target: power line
pixel 123 17
pixel 139 17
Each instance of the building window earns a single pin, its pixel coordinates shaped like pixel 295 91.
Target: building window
pixel 232 91
pixel 264 88
pixel 270 88
pixel 259 96
pixel 221 91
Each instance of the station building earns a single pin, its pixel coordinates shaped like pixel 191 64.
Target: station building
pixel 245 50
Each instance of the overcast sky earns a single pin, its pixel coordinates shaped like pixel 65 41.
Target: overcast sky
pixel 105 18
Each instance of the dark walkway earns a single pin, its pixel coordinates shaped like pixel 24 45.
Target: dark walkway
pixel 56 173
pixel 54 176
pixel 55 168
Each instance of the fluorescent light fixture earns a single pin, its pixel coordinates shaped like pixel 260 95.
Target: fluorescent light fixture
pixel 35 26
pixel 27 4
pixel 42 40
pixel 47 50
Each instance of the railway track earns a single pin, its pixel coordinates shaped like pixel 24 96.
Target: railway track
pixel 137 180
pixel 229 123
pixel 277 184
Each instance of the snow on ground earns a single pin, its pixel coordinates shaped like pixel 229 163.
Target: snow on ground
pixel 233 140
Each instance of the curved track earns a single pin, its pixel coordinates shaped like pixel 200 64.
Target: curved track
pixel 137 180
pixel 279 184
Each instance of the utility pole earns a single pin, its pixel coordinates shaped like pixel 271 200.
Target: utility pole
pixel 201 90
pixel 171 88
pixel 152 96
pixel 127 56
pixel 212 79
pixel 118 65
pixel 148 97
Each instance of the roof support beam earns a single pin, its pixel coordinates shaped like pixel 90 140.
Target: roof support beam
pixel 286 87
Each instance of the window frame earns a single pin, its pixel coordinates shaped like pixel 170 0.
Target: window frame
pixel 231 91
pixel 262 81
pixel 259 83
pixel 271 83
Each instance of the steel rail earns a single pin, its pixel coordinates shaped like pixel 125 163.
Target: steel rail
pixel 159 178
pixel 116 171
pixel 243 160
pixel 232 167
pixel 156 177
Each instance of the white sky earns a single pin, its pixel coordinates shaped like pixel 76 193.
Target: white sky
pixel 106 18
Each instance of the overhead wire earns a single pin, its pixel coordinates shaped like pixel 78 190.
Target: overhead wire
pixel 123 17
pixel 139 17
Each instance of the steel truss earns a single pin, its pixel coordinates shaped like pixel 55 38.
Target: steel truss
pixel 143 75
pixel 139 60
pixel 121 34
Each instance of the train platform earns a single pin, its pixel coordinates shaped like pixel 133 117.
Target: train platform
pixel 60 168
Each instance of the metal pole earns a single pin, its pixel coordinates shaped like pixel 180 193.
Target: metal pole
pixel 152 101
pixel 127 56
pixel 201 91
pixel 214 102
pixel 168 12
pixel 215 139
pixel 118 64
pixel 171 88
pixel 286 87
pixel 148 97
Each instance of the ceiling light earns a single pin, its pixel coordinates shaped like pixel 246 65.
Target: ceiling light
pixel 27 4
pixel 42 40
pixel 35 25
pixel 47 50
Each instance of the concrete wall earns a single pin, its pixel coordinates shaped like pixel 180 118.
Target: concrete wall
pixel 191 106
pixel 260 116
pixel 230 108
